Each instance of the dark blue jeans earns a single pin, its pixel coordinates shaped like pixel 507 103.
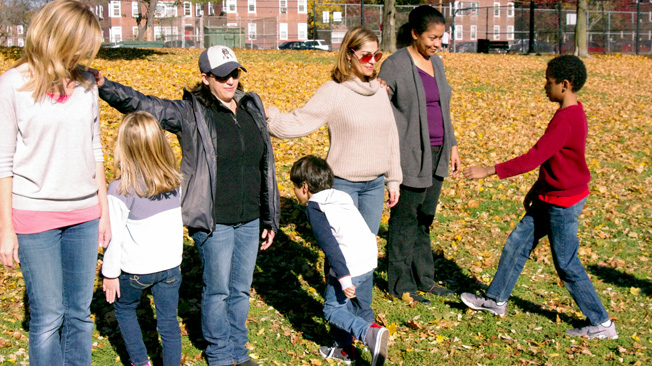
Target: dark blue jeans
pixel 165 289
pixel 368 197
pixel 346 318
pixel 59 271
pixel 228 255
pixel 560 225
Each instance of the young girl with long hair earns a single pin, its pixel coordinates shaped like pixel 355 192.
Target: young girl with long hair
pixel 147 235
pixel 53 206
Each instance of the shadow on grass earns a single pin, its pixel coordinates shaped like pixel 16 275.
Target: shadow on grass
pixel 112 54
pixel 620 278
pixel 277 280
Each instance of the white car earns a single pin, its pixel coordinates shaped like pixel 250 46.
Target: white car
pixel 319 44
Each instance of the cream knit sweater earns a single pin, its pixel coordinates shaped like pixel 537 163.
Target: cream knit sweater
pixel 363 135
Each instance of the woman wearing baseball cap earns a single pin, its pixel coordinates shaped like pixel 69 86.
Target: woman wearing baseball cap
pixel 230 199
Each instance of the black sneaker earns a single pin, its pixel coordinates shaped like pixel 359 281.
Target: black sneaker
pixel 376 340
pixel 420 299
pixel 439 291
pixel 346 354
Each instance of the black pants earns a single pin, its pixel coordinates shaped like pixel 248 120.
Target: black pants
pixel 410 260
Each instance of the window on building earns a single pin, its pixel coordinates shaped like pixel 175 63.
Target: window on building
pixel 474 32
pixel 303 31
pixel 134 32
pixel 283 31
pixel 510 10
pixel 211 9
pixel 166 9
pixel 166 33
pixel 252 31
pixel 474 8
pixel 283 6
pixel 10 42
pixel 231 6
pixel 115 34
pixel 19 29
pixel 459 32
pixel 99 10
pixel 114 9
pixel 135 9
pixel 302 6
pixel 496 32
pixel 198 10
pixel 510 32
pixel 496 9
pixel 251 6
pixel 21 42
pixel 456 6
pixel 337 37
pixel 187 8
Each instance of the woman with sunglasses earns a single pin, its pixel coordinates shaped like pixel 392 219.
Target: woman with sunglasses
pixel 364 151
pixel 229 190
pixel 421 97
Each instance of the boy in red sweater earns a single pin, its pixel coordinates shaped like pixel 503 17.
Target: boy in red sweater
pixel 552 205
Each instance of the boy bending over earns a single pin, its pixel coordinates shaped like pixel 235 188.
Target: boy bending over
pixel 552 205
pixel 350 248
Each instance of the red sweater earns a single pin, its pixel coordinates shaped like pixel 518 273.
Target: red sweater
pixel 559 153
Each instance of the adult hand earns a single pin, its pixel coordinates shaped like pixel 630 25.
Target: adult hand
pixel 268 238
pixel 529 197
pixel 393 198
pixel 478 172
pixel 99 79
pixel 271 110
pixel 383 84
pixel 104 231
pixel 349 292
pixel 455 160
pixel 9 249
pixel 111 287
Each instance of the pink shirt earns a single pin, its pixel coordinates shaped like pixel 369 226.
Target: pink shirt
pixel 32 222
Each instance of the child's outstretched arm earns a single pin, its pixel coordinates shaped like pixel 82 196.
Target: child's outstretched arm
pixel 111 287
pixel 478 172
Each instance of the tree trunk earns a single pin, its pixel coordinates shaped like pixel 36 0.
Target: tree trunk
pixel 388 43
pixel 581 47
pixel 146 23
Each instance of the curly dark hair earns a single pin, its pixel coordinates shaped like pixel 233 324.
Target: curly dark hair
pixel 313 171
pixel 568 67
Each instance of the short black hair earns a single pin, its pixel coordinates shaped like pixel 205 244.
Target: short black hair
pixel 314 171
pixel 568 67
pixel 419 20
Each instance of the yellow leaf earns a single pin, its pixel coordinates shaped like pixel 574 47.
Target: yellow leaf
pixel 407 298
pixel 635 291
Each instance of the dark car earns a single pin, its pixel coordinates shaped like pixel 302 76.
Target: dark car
pixel 294 45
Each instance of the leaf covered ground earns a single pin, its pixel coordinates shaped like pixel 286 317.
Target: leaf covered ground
pixel 499 110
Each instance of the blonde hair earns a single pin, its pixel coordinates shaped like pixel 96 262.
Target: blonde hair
pixel 354 39
pixel 143 159
pixel 63 34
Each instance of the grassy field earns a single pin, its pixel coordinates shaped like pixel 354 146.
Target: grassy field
pixel 499 110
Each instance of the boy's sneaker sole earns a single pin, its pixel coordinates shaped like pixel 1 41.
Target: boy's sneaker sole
pixel 476 302
pixel 595 331
pixel 337 354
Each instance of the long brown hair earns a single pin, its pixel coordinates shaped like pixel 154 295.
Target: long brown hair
pixel 143 158
pixel 353 40
pixel 63 34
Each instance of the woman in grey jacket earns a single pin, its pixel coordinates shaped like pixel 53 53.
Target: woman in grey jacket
pixel 420 97
pixel 229 190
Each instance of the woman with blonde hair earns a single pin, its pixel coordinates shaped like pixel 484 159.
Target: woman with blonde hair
pixel 53 205
pixel 364 151
pixel 146 236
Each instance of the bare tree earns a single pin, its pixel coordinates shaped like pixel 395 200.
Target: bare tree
pixel 388 43
pixel 581 46
pixel 15 12
pixel 146 24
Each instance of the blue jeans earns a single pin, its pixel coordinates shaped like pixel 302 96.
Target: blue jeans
pixel 349 318
pixel 59 271
pixel 560 224
pixel 165 289
pixel 368 197
pixel 228 255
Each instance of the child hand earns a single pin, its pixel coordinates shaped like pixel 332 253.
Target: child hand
pixel 478 172
pixel 112 288
pixel 349 292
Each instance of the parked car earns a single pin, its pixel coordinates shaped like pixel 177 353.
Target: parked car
pixel 188 43
pixel 595 47
pixel 294 45
pixel 523 45
pixel 318 44
pixel 465 47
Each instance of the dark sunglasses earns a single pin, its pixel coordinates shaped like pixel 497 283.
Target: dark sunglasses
pixel 235 74
pixel 368 56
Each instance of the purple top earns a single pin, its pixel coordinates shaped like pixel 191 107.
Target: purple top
pixel 433 106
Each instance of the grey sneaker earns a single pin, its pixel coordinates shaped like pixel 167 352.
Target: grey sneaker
pixel 477 302
pixel 376 339
pixel 595 331
pixel 339 354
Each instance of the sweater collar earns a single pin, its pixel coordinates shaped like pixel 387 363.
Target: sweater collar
pixel 362 87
